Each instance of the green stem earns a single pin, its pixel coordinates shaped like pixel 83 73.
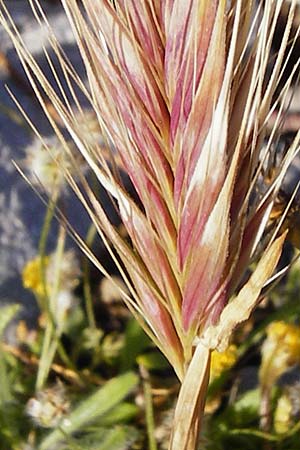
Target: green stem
pixel 51 338
pixel 256 433
pixel 86 281
pixel 45 363
pixel 149 409
pixel 44 300
pixel 43 244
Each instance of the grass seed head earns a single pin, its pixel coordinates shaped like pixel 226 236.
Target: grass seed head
pixel 182 92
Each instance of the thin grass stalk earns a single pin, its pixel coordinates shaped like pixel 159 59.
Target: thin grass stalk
pixel 92 232
pixel 52 334
pixel 149 412
pixel 50 211
pixel 184 91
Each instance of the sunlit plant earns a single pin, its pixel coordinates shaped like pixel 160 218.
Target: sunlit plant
pixel 182 90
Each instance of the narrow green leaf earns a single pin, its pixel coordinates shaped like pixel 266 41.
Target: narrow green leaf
pixel 7 313
pixel 119 438
pixel 120 414
pixel 93 407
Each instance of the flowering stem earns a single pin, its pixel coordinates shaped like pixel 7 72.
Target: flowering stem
pixel 44 301
pixel 51 337
pixel 191 400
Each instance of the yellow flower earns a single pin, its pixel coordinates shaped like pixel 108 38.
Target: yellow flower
pixel 283 414
pixel 69 273
pixel 32 275
pixel 280 351
pixel 222 361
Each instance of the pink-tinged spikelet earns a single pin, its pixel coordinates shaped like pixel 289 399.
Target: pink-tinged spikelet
pixel 183 91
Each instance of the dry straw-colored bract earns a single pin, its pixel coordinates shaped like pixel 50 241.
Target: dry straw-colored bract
pixel 182 90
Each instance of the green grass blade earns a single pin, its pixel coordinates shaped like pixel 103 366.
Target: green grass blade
pixel 93 407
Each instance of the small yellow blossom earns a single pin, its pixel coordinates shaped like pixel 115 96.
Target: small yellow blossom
pixel 61 277
pixel 283 414
pixel 69 273
pixel 223 361
pixel 287 335
pixel 280 351
pixel 32 275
